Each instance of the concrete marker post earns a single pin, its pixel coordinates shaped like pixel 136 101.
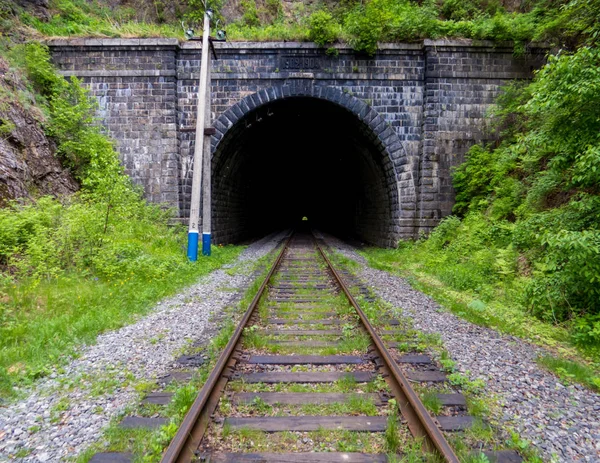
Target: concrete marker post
pixel 193 231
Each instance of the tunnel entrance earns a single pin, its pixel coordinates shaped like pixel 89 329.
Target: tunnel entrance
pixel 301 157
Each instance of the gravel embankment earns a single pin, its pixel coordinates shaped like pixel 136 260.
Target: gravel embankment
pixel 66 412
pixel 562 422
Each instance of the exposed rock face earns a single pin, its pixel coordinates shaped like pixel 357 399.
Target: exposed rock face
pixel 28 166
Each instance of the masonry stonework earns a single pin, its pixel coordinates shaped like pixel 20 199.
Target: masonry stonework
pixel 422 106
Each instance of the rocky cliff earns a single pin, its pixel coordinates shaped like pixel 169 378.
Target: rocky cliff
pixel 28 165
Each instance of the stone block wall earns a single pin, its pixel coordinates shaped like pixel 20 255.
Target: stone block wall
pixel 425 106
pixel 391 84
pixel 462 81
pixel 135 84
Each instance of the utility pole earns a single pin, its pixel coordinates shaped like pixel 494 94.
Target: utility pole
pixel 207 170
pixel 193 232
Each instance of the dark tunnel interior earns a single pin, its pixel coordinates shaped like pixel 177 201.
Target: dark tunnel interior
pixel 295 158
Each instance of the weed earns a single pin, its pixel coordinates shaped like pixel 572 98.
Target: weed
pixel 226 430
pixel 448 364
pixel 476 458
pixel 347 383
pixel 260 405
pixel 357 342
pixel 220 340
pixel 432 402
pixel 463 382
pixel 57 409
pixel 253 339
pixel 104 385
pixel 23 452
pixel 392 441
pixel 571 371
pixel 524 447
pixel 358 404
pixel 477 406
pixel 348 330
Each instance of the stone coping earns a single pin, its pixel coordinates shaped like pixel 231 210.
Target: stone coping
pixel 176 43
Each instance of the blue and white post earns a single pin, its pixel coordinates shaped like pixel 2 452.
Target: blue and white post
pixel 193 232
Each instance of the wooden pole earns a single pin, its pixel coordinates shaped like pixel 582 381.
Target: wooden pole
pixel 207 174
pixel 193 230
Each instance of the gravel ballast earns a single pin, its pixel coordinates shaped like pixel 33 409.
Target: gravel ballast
pixel 64 413
pixel 563 422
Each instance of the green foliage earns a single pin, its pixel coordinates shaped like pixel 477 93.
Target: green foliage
pixel 81 145
pixel 82 18
pixel 73 267
pixel 570 371
pixel 390 20
pixel 323 29
pixel 391 435
pixel 461 10
pixel 545 178
pixel 432 402
pixel 195 10
pixel 526 238
pixel 68 274
pixel 250 15
pixel 472 180
pixel 362 24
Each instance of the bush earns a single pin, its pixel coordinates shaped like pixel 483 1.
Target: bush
pixel 323 29
pixel 75 266
pixel 81 145
pixel 545 177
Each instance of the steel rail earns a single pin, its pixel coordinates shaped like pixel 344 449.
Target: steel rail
pixel 190 433
pixel 418 419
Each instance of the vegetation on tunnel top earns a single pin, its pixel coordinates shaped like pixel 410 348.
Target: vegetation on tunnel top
pixel 360 24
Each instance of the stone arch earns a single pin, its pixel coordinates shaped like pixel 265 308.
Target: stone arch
pixel 372 125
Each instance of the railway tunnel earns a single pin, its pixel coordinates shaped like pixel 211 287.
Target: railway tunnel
pixel 302 157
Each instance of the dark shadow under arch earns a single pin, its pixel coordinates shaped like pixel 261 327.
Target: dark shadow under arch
pixel 284 153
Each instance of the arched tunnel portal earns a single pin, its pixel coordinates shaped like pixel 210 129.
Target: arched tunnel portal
pixel 301 156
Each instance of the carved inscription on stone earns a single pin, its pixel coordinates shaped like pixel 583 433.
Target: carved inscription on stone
pixel 302 62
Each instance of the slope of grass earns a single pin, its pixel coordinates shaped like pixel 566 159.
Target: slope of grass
pixel 45 320
pixel 461 284
pixel 73 267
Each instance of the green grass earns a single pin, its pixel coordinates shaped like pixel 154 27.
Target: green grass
pixel 145 444
pixel 44 322
pixel 392 440
pixel 358 404
pixel 486 302
pixel 355 342
pixel 347 384
pixel 324 440
pixel 570 371
pixel 432 402
pixel 148 445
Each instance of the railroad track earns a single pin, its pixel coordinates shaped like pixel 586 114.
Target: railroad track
pixel 307 377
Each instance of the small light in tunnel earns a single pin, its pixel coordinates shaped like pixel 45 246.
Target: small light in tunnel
pixel 304 219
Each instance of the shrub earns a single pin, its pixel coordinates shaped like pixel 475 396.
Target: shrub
pixel 81 145
pixel 545 176
pixel 323 29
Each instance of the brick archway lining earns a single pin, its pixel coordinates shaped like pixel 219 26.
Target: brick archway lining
pixel 373 126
